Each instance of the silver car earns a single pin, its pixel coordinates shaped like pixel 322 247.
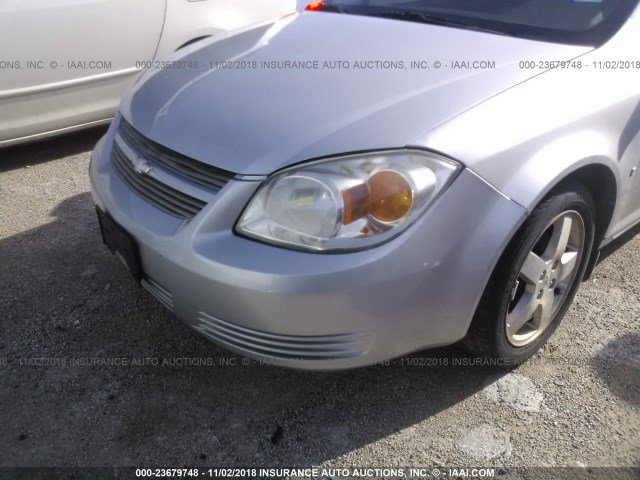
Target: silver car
pixel 370 178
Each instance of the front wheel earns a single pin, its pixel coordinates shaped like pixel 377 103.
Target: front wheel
pixel 536 278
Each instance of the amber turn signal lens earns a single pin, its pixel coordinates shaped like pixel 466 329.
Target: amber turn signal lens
pixel 391 196
pixel 386 197
pixel 356 203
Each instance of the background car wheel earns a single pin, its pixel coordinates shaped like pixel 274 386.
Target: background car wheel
pixel 536 279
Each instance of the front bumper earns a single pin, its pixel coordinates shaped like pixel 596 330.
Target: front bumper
pixel 309 310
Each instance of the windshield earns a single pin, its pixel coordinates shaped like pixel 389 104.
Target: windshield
pixel 582 22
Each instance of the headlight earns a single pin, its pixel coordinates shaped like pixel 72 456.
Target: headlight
pixel 346 203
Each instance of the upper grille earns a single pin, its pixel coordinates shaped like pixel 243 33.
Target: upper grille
pixel 132 151
pixel 162 196
pixel 323 347
pixel 175 162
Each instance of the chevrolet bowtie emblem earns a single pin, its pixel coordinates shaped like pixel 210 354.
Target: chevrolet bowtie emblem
pixel 141 166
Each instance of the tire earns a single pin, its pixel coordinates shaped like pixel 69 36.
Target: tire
pixel 535 280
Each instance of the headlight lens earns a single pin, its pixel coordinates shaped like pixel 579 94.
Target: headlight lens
pixel 346 203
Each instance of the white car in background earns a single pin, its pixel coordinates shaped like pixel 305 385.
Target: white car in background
pixel 64 64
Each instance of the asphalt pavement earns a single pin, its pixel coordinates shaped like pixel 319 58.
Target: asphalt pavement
pixel 94 372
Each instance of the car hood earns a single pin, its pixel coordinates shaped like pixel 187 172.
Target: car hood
pixel 237 104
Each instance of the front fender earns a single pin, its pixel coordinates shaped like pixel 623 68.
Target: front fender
pixel 527 139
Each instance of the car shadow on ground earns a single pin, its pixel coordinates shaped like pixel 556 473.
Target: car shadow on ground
pixel 612 247
pixel 13 158
pixel 618 365
pixel 117 380
pixel 618 362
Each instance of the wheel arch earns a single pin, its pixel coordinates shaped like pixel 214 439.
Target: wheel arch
pixel 601 182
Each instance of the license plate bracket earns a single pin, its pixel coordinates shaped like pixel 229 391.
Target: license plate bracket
pixel 120 243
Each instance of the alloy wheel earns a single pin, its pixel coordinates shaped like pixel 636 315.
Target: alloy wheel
pixel 545 278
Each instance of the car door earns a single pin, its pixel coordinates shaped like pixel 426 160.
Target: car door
pixel 630 195
pixel 619 57
pixel 66 63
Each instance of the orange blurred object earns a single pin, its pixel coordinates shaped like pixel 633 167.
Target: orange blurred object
pixel 314 6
